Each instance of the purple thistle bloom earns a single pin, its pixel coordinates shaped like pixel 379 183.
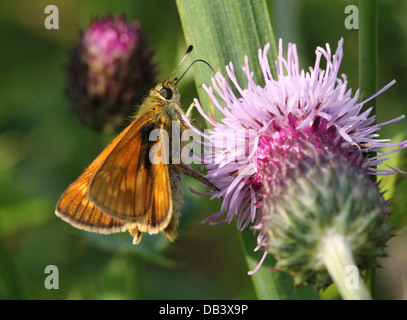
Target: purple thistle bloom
pixel 297 115
pixel 314 104
pixel 109 71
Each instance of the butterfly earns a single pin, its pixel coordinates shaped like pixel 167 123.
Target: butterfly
pixel 129 187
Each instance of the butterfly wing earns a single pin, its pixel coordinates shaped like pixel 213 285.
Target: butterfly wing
pixel 74 207
pixel 132 185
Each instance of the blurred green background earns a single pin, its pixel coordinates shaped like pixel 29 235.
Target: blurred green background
pixel 43 148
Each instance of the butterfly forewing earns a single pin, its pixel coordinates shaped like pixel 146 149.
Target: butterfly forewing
pixel 74 207
pixel 129 186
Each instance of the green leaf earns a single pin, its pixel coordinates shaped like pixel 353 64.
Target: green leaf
pixel 223 32
pixel 368 62
pixel 368 51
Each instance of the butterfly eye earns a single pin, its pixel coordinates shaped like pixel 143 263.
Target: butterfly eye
pixel 166 93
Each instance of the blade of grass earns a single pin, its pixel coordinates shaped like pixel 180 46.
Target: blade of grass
pixel 368 62
pixel 368 51
pixel 223 32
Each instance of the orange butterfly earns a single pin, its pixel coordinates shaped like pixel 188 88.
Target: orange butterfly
pixel 125 188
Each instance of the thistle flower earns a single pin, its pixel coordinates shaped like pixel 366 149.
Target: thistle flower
pixel 109 70
pixel 295 163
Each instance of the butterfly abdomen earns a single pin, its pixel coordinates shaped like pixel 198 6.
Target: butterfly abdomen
pixel 177 201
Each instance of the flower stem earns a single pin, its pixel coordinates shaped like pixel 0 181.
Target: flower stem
pixel 336 255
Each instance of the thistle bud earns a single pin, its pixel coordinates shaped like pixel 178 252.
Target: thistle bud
pixel 109 71
pixel 326 210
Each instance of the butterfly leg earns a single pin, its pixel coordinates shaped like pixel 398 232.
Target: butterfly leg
pixel 190 109
pixel 196 175
pixel 189 112
pixel 135 232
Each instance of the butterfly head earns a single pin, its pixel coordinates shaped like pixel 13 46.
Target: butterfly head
pixel 168 90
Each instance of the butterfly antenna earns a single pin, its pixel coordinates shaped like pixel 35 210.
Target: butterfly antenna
pixel 182 60
pixel 191 66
